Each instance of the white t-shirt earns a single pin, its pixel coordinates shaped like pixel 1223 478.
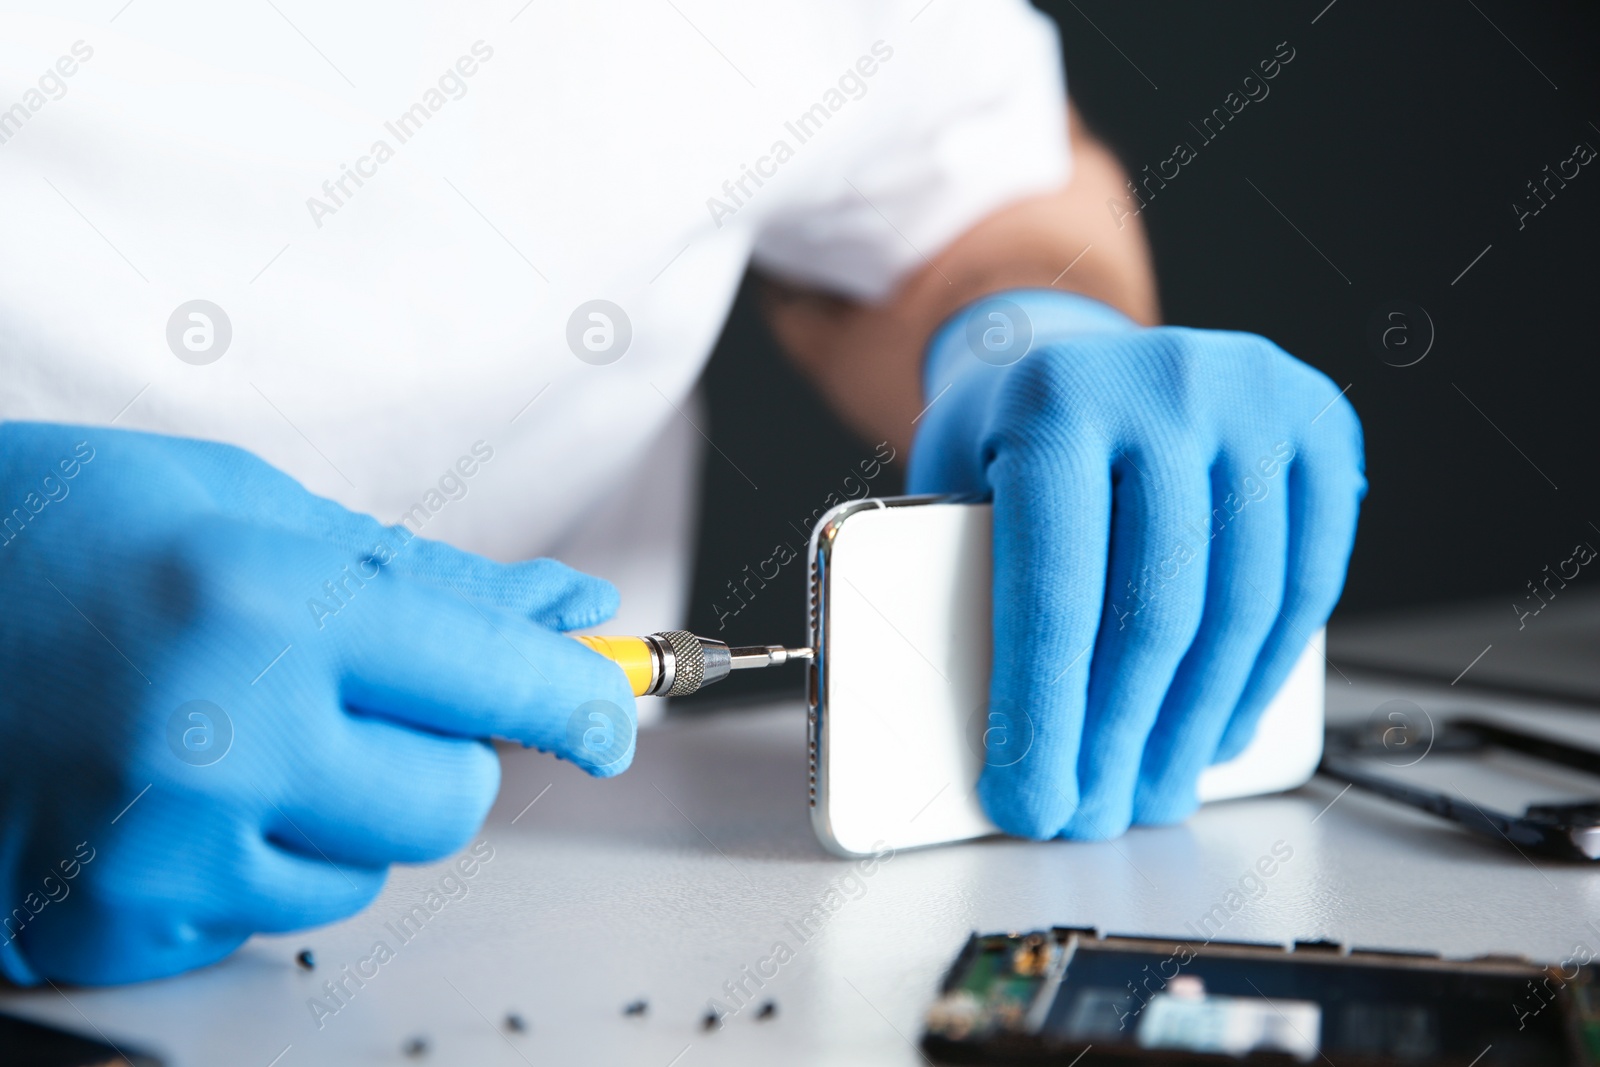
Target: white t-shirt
pixel 399 214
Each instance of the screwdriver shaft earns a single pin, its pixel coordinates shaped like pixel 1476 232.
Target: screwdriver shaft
pixel 764 656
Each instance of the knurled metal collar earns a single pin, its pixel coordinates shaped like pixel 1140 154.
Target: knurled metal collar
pixel 691 661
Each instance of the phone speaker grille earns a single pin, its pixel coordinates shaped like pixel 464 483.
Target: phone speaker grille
pixel 815 697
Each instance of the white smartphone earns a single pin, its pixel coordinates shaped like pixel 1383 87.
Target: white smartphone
pixel 899 687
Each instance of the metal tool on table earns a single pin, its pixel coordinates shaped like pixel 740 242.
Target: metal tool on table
pixel 1564 830
pixel 675 663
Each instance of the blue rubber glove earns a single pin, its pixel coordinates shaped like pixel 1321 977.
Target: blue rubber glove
pixel 1173 513
pixel 226 705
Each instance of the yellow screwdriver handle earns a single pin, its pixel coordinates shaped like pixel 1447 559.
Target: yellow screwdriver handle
pixel 632 654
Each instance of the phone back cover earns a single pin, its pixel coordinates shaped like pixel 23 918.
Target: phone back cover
pixel 903 704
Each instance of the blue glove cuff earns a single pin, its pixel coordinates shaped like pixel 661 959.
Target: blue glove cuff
pixel 1002 328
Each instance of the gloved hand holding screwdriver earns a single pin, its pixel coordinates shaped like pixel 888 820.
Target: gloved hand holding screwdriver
pixel 165 572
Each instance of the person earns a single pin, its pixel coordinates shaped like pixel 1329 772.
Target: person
pixel 327 331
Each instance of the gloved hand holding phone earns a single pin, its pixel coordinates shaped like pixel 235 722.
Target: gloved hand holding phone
pixel 1173 514
pixel 207 751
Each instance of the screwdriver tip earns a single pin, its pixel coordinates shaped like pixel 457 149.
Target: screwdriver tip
pixel 765 656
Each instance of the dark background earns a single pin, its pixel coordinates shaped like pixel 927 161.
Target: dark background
pixel 1397 141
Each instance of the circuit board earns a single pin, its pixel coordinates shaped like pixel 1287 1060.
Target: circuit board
pixel 1075 996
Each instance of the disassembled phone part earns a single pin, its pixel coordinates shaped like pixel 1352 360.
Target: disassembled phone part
pixel 1075 996
pixel 23 1041
pixel 1564 830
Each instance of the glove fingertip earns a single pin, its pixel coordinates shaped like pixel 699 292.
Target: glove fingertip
pixel 601 733
pixel 1018 815
pixel 1089 824
pixel 584 608
pixel 611 770
pixel 15 968
pixel 1165 807
pixel 571 599
pixel 1235 739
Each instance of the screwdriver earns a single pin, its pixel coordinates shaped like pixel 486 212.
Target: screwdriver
pixel 675 663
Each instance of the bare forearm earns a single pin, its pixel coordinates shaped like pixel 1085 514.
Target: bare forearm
pixel 867 359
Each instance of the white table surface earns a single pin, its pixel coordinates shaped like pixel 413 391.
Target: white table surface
pixel 662 884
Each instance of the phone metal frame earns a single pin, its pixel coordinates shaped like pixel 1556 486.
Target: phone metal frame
pixel 820 557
